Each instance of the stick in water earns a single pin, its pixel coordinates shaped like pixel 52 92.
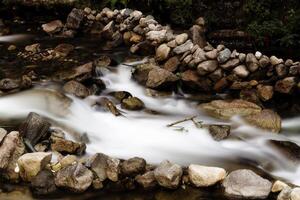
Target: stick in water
pixel 180 121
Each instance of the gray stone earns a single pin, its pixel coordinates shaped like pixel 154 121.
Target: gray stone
pixel 230 64
pixel 168 175
pixel 224 55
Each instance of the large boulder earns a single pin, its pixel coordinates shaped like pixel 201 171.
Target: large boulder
pixel 203 176
pixel 226 109
pixel 168 175
pixel 159 77
pixel 246 184
pixel 11 149
pixel 31 164
pixel 76 178
pixel 34 128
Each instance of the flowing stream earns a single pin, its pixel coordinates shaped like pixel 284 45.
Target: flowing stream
pixel 139 133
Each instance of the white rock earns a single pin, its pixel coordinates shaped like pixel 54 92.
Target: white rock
pixel 278 186
pixel 295 194
pixel 203 176
pixel 258 55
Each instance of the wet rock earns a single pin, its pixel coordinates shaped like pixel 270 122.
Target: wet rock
pixel 168 175
pixel 132 103
pixel 11 149
pixel 226 109
pixel 241 71
pixel 219 132
pixel 3 133
pixel 264 61
pixel 76 178
pixel 34 128
pixel 120 95
pixel 181 38
pixel 246 184
pixel 162 52
pixel 103 61
pixel 147 180
pixel 203 176
pixel 207 67
pixel 230 64
pixel 285 85
pixel 265 92
pixel 67 146
pixel 172 64
pixel 278 186
pixel 187 46
pixel 9 84
pixel 266 119
pixel 98 164
pixel 43 183
pixel 30 164
pixel 275 61
pixel 285 194
pixel 75 19
pixel 53 27
pixel 113 169
pixel 224 55
pixel 77 89
pixel 295 194
pixel 159 77
pixel 212 54
pixel 252 62
pixel 133 166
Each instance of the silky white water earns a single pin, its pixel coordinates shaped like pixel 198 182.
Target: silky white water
pixel 145 135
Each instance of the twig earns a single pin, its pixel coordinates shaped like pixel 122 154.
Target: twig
pixel 180 121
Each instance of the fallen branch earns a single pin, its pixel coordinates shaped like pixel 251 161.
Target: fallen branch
pixel 180 121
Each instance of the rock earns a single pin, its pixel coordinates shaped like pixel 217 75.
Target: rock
pixel 251 62
pixel 224 55
pixel 9 84
pixel 34 128
pixel 199 56
pixel 191 79
pixel 141 72
pixel 258 55
pixel 63 49
pixel 162 52
pixel 226 109
pixel 212 54
pixel 172 44
pixel 181 38
pixel 168 175
pixel 76 178
pixel 11 47
pixel 98 164
pixel 67 146
pixel 294 70
pixel 75 19
pixel 30 164
pixel 159 77
pixel 172 64
pixel 265 92
pixel 113 169
pixel 207 67
pixel 79 73
pixel 230 64
pixel 67 160
pixel 246 184
pixel 242 57
pixel 275 61
pixel 295 194
pixel 11 149
pixel 133 166
pixel 187 46
pixel 198 35
pixel 158 36
pixel 216 75
pixel 203 176
pixel 53 27
pixel 200 21
pixel 108 31
pixel 103 61
pixel 281 70
pixel 285 85
pixel 220 47
pixel 241 71
pixel 132 103
pixel 135 38
pixel 219 132
pixel 43 183
pixel 285 194
pixel 278 186
pixel 264 61
pixel 266 119
pixel 77 89
pixel 3 133
pixel 147 180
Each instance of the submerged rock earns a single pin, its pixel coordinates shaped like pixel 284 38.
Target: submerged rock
pixel 168 175
pixel 34 128
pixel 226 109
pixel 31 164
pixel 132 103
pixel 246 184
pixel 76 178
pixel 203 176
